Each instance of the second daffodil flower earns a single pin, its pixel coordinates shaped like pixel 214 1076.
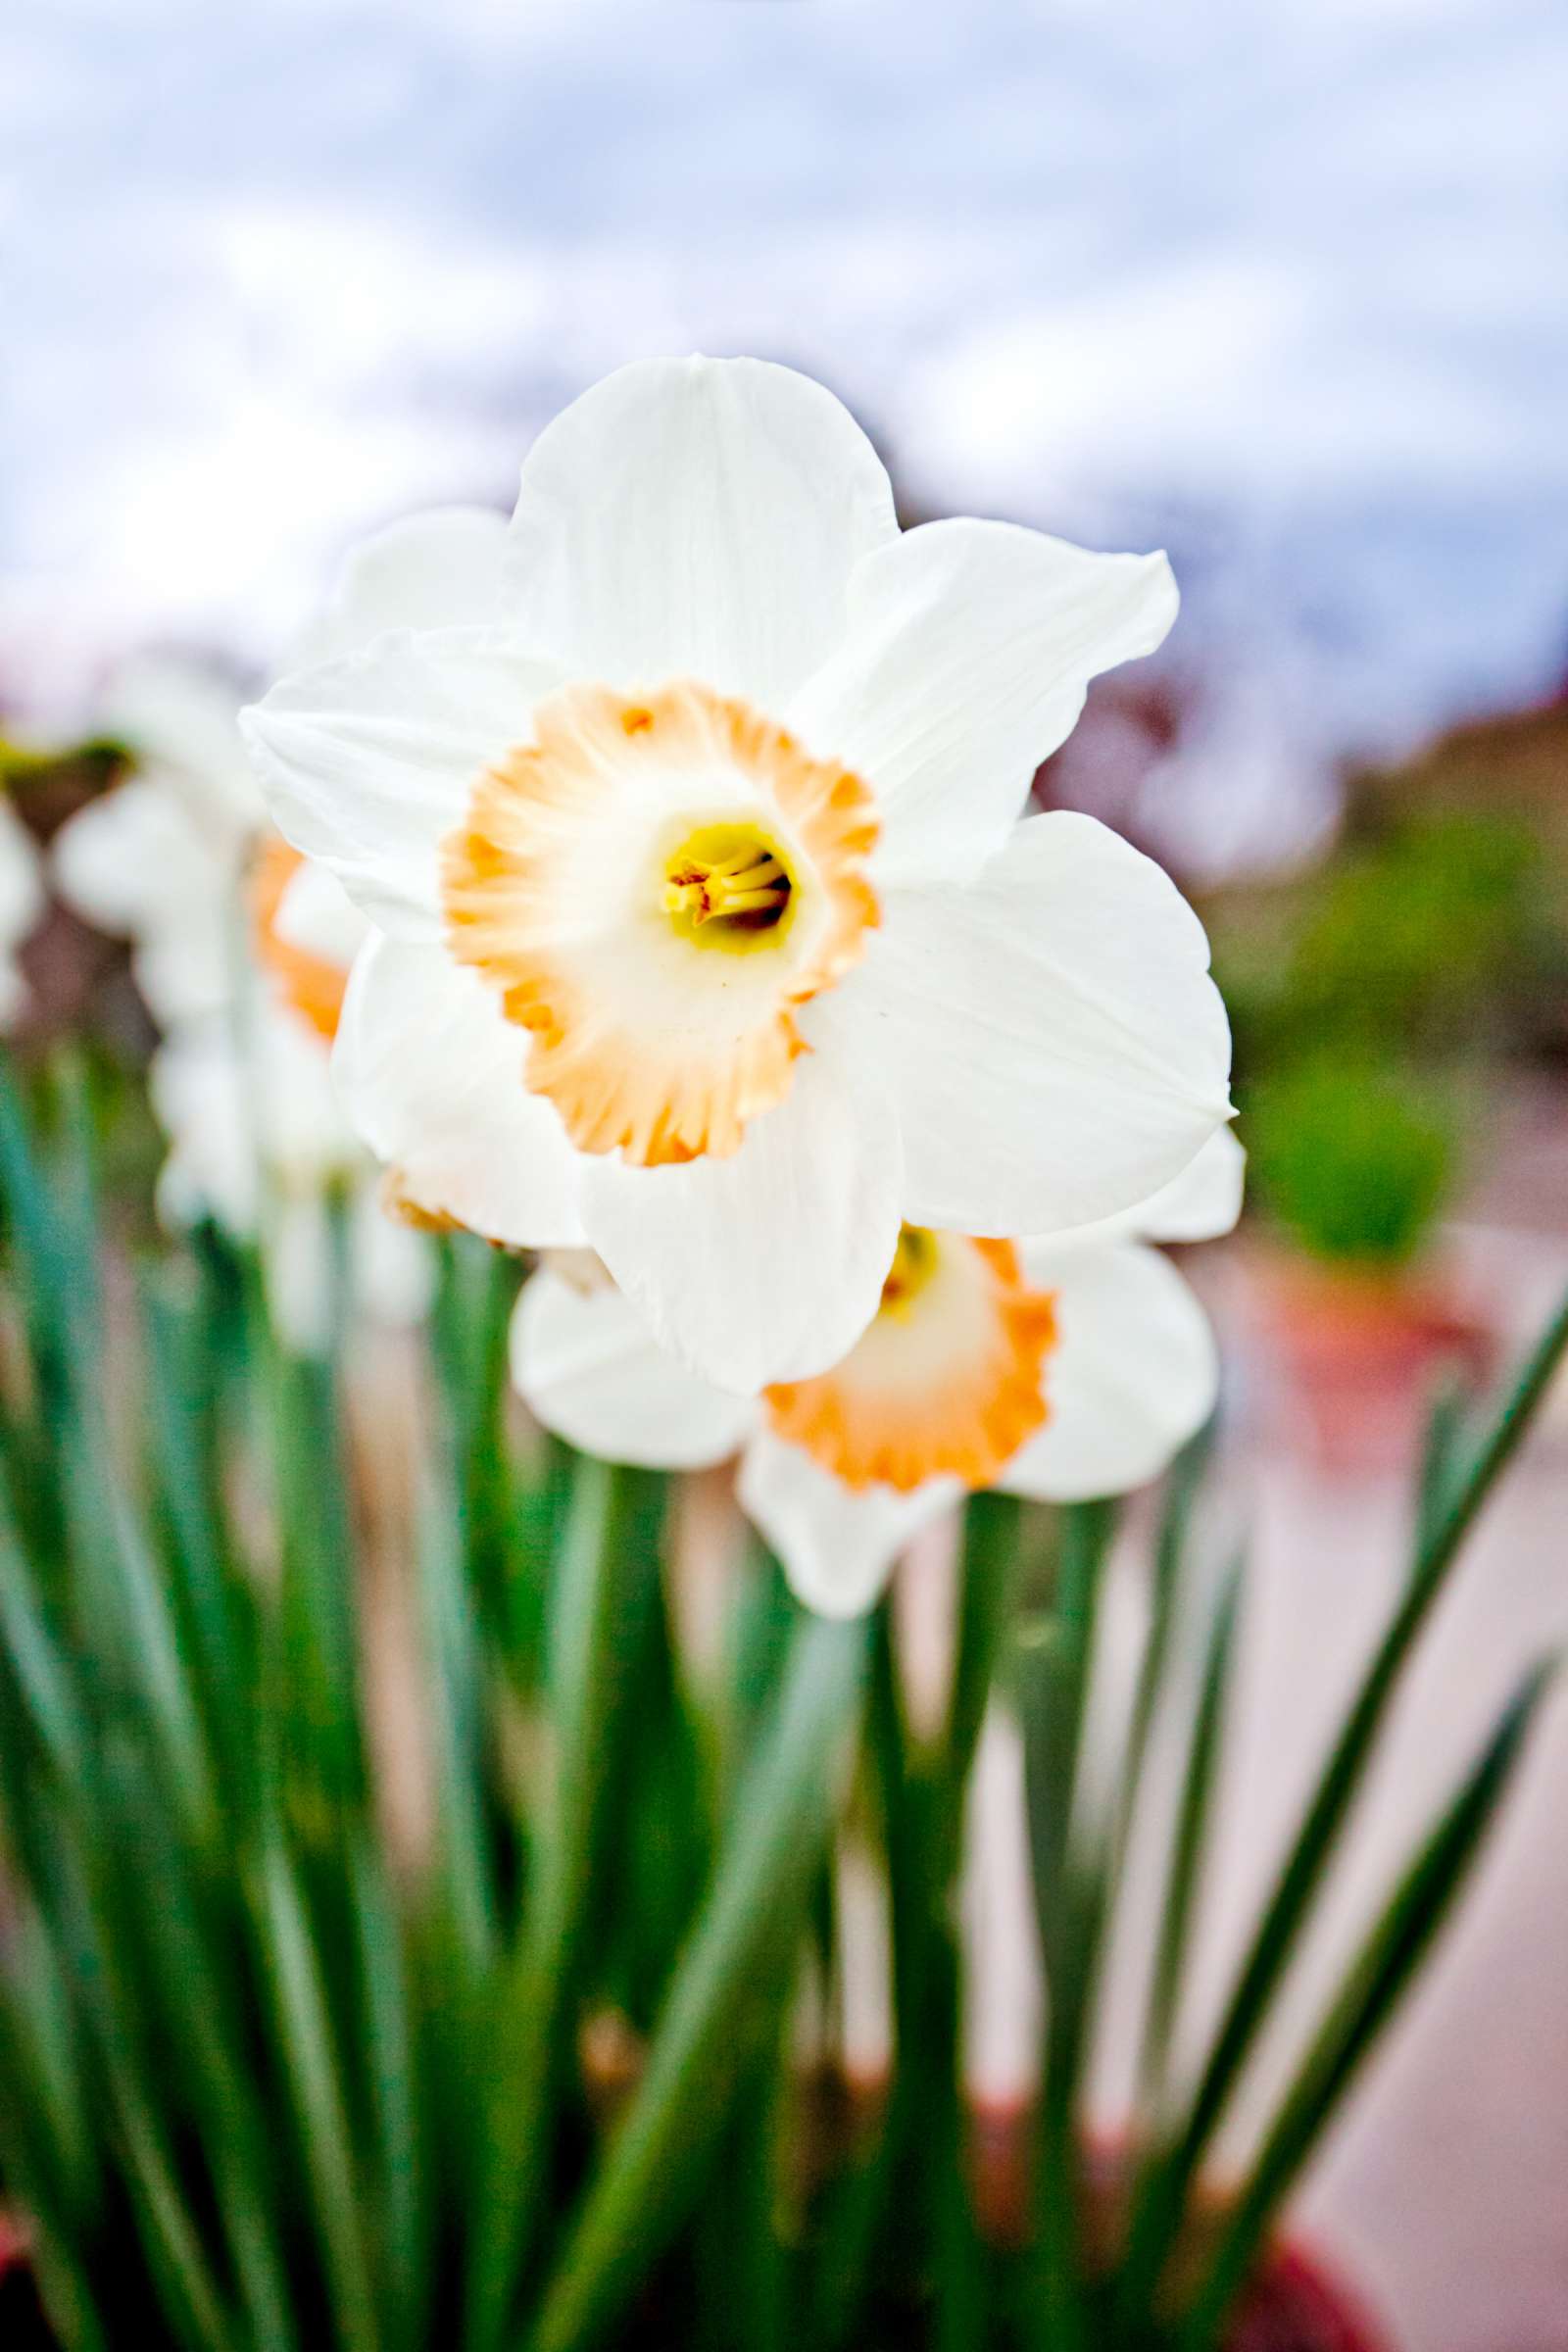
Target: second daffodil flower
pixel 712 939
pixel 1061 1369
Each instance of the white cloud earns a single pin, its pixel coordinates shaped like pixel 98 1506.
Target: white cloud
pixel 1291 289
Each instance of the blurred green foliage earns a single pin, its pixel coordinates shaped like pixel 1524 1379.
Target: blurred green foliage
pixel 1414 944
pixel 1370 999
pixel 275 2077
pixel 1353 1159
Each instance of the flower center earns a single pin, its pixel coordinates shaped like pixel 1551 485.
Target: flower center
pixel 655 887
pixel 728 886
pixel 948 1381
pixel 914 1262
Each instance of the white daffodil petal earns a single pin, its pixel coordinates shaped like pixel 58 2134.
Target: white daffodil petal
pixel 588 1368
pixel 1199 1206
pixel 969 648
pixel 185 972
pixel 370 761
pixel 174 713
pixel 769 1264
pixel 133 857
pixel 696 518
pixel 317 915
pixel 1205 1201
pixel 200 1097
pixel 436 570
pixel 1133 1375
pixel 394 1274
pixel 837 1546
pixel 299 1273
pixel 251 1086
pixel 430 1071
pixel 1054 1044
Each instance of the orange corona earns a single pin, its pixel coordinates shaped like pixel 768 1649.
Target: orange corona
pixel 948 1381
pixel 655 887
pixel 313 985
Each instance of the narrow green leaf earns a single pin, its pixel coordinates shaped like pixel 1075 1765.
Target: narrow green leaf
pixel 1372 1990
pixel 751 1916
pixel 42 2085
pixel 173 1419
pixel 389 2056
pixel 305 2040
pixel 1157 2215
pixel 1187 1852
pixel 51 2138
pixel 138 2115
pixel 610 1538
pixel 1055 1664
pixel 191 2297
pixel 739 2261
pixel 1441 1465
pixel 760 1624
pixel 458 1734
pixel 1439 1544
pixel 894 2188
pixel 316 1665
pixel 181 1976
pixel 1182 1488
pixel 34 1658
pixel 988 1592
pixel 1054 1690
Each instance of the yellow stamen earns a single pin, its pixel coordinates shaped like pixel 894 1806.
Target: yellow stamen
pixel 914 1262
pixel 708 890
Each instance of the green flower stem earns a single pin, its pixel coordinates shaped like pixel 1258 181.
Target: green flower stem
pixel 988 1592
pixel 918 2164
pixel 1055 1673
pixel 752 1911
pixel 1386 1963
pixel 1187 1852
pixel 1445 1520
pixel 607 1544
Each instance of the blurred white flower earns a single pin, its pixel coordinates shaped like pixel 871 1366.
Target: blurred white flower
pixel 712 940
pixel 160 859
pixel 241 951
pixel 258 1143
pixel 21 902
pixel 1059 1368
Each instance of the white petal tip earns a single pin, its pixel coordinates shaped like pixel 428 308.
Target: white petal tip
pixel 1164 603
pixel 825 1599
pixel 262 731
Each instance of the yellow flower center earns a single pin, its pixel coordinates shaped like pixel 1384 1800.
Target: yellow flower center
pixel 602 863
pixel 914 1262
pixel 728 886
pixel 949 1381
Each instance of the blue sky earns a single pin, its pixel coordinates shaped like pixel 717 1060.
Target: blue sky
pixel 1289 295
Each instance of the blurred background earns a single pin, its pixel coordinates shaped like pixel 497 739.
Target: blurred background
pixel 1284 293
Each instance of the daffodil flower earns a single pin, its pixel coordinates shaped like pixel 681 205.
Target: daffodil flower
pixel 241 949
pixel 158 859
pixel 1061 1369
pixel 258 1143
pixel 712 939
